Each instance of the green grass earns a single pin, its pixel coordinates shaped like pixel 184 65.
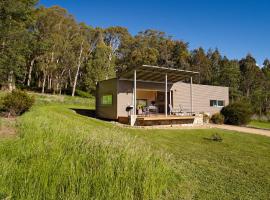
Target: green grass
pixel 236 168
pixel 64 155
pixel 259 124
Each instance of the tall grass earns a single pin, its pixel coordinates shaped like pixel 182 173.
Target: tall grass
pixel 60 155
pixel 46 99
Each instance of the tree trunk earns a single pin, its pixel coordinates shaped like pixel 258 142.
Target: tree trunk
pixel 39 82
pixel 109 66
pixel 77 72
pixel 248 91
pixel 43 82
pixel 11 82
pixel 57 86
pixel 60 81
pixel 49 82
pixel 69 79
pixel 30 72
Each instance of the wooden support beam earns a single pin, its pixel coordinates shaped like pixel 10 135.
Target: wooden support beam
pixel 166 98
pixel 170 101
pixel 191 95
pixel 135 91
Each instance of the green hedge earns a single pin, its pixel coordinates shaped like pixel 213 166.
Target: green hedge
pixel 238 113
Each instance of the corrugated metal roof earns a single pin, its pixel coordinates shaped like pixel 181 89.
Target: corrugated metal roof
pixel 156 74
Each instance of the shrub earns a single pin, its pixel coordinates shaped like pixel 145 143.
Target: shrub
pixel 83 94
pixel 216 137
pixel 238 113
pixel 206 117
pixel 17 102
pixel 217 118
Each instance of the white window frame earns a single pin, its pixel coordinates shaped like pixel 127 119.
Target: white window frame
pixel 216 103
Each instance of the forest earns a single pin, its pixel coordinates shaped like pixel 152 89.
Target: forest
pixel 48 51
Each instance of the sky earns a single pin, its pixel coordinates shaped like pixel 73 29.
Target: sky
pixel 235 27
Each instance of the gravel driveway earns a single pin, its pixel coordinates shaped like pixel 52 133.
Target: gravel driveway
pixel 242 129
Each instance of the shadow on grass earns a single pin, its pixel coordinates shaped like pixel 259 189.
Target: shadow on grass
pixel 89 113
pixel 85 112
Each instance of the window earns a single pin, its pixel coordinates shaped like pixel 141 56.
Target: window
pixel 106 99
pixel 220 103
pixel 216 103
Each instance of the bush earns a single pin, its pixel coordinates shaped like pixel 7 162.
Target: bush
pixel 206 117
pixel 217 118
pixel 83 94
pixel 216 137
pixel 17 102
pixel 238 113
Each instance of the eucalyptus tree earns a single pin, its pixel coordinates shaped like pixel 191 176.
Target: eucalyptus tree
pixel 215 62
pixel 97 66
pixel 266 88
pixel 147 47
pixel 266 69
pixel 230 76
pixel 49 25
pixel 15 19
pixel 115 38
pixel 201 63
pixel 250 74
pixel 82 50
pixel 181 55
pixel 56 32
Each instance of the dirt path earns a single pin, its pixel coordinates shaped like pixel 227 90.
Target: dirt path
pixel 7 127
pixel 242 129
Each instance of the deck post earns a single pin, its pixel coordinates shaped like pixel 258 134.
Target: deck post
pixel 170 101
pixel 134 93
pixel 166 98
pixel 191 95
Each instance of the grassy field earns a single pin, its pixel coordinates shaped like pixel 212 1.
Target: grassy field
pixel 259 124
pixel 60 154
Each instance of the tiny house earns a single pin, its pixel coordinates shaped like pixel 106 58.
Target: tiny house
pixel 157 94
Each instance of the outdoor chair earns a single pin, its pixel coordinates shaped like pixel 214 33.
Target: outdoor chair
pixel 146 111
pixel 185 111
pixel 174 111
pixel 153 109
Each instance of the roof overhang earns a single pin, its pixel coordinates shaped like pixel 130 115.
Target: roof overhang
pixel 156 74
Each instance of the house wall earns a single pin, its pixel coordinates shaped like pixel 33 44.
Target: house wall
pixel 148 95
pixel 122 91
pixel 201 96
pixel 124 96
pixel 106 87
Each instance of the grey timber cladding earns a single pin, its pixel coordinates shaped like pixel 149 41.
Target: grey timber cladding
pixel 122 93
pixel 107 87
pixel 201 96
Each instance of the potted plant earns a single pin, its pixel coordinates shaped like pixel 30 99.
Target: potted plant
pixel 140 109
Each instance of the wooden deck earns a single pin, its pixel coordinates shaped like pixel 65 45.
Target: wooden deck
pixel 163 120
pixel 163 117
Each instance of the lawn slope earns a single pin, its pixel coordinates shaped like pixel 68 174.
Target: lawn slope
pixel 63 155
